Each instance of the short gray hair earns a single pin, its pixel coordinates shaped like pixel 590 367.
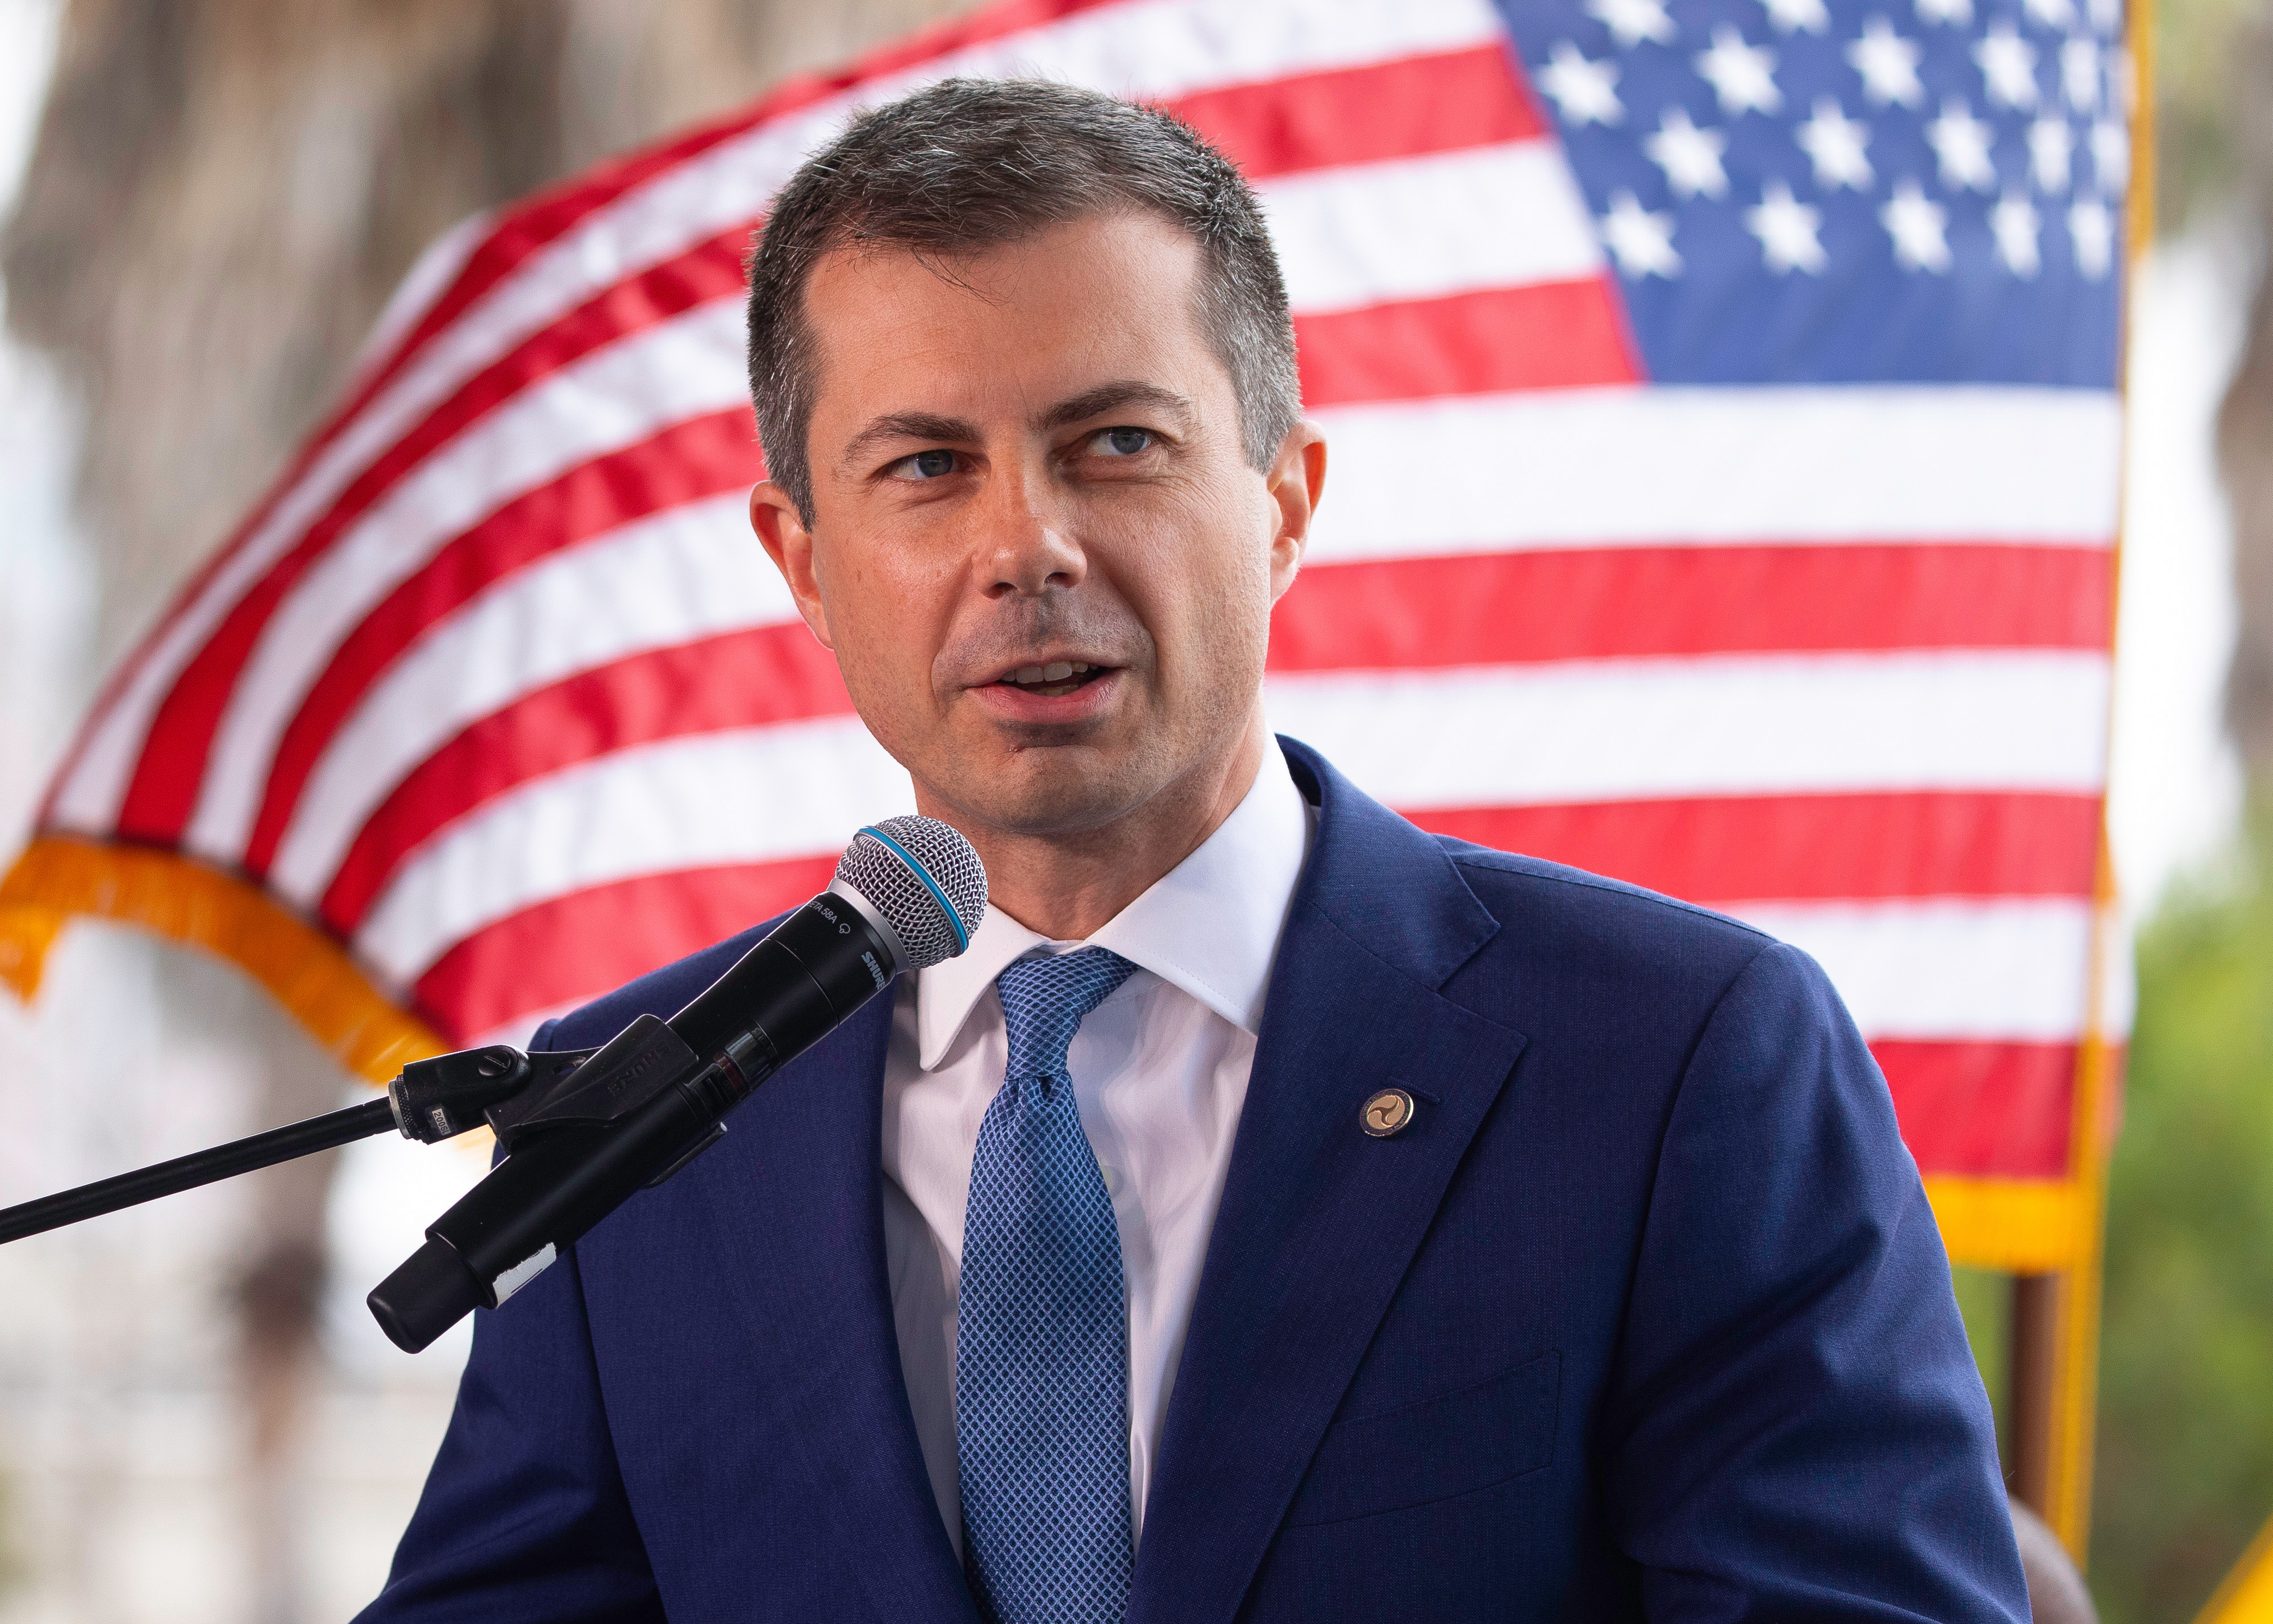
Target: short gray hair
pixel 968 165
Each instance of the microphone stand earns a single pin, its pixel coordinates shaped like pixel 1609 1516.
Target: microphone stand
pixel 187 1173
pixel 429 1101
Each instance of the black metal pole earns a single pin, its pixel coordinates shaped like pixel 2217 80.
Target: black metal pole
pixel 147 1184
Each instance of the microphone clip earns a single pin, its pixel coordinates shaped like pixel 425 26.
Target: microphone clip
pixel 451 1094
pixel 594 1086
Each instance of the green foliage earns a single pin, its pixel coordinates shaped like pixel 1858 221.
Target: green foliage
pixel 1986 1299
pixel 2185 1473
pixel 2203 53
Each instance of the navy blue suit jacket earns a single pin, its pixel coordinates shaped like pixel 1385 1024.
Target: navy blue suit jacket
pixel 1644 1315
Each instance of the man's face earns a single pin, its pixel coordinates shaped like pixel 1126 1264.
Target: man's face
pixel 1043 562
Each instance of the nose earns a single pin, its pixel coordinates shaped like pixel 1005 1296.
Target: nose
pixel 1027 548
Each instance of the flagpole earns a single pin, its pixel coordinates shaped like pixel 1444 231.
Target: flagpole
pixel 2053 1347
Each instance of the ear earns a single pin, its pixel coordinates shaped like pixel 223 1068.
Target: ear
pixel 781 531
pixel 1296 480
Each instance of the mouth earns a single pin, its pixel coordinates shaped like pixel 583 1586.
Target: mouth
pixel 1052 680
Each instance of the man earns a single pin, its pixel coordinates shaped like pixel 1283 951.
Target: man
pixel 1278 1213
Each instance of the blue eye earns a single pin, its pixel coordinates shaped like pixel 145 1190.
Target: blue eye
pixel 932 464
pixel 1125 442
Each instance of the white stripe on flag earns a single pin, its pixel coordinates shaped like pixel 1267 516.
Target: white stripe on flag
pixel 2003 970
pixel 1651 466
pixel 1844 469
pixel 753 796
pixel 1641 729
pixel 693 365
pixel 617 397
pixel 691 573
pixel 1155 50
pixel 1165 49
pixel 1424 228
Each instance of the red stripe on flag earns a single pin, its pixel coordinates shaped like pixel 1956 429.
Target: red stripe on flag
pixel 546 216
pixel 1566 335
pixel 589 942
pixel 1808 847
pixel 1498 609
pixel 1403 109
pixel 1548 335
pixel 164 788
pixel 686 462
pixel 1983 1109
pixel 519 233
pixel 769 674
pixel 1971 1109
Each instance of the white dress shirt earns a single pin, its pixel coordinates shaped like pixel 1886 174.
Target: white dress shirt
pixel 1160 1070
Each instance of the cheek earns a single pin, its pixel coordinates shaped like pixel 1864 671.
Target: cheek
pixel 885 611
pixel 1220 565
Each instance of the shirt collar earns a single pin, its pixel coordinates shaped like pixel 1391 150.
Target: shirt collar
pixel 1209 926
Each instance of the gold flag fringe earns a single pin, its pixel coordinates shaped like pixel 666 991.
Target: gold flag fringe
pixel 2016 1226
pixel 183 900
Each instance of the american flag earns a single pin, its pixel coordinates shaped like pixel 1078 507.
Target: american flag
pixel 1725 414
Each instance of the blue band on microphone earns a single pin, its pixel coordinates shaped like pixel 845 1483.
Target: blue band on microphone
pixel 962 936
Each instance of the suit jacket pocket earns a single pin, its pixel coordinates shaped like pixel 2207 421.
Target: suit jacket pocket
pixel 1434 1449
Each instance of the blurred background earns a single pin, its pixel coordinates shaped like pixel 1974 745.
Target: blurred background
pixel 207 205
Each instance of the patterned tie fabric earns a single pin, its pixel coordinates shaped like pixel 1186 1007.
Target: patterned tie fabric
pixel 1041 1379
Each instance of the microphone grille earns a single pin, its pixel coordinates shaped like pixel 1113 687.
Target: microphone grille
pixel 925 878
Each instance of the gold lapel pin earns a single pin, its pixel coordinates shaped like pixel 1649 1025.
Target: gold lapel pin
pixel 1389 1110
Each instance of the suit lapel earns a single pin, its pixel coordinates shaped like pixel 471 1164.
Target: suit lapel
pixel 798 1206
pixel 1318 1221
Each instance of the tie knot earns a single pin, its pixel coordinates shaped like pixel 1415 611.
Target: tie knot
pixel 1045 1000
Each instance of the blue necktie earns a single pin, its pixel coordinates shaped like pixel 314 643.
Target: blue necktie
pixel 1041 1369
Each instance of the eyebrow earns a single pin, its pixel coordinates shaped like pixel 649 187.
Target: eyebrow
pixel 1111 397
pixel 951 430
pixel 905 426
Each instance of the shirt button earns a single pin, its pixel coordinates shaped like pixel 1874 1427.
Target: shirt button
pixel 1111 1179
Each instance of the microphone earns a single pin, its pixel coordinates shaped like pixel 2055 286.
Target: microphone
pixel 907 892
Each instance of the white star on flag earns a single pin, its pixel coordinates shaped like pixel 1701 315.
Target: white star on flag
pixel 2015 223
pixel 2008 63
pixel 2079 74
pixel 1641 242
pixel 1586 91
pixel 2050 13
pixel 1834 143
pixel 2111 155
pixel 1888 65
pixel 1632 21
pixel 1799 16
pixel 2092 228
pixel 1956 14
pixel 1742 76
pixel 1961 146
pixel 1690 157
pixel 1919 226
pixel 1786 227
pixel 2050 143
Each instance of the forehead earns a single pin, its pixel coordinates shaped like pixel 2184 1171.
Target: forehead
pixel 1015 327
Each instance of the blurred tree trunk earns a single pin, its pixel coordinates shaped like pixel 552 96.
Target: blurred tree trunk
pixel 224 192
pixel 221 195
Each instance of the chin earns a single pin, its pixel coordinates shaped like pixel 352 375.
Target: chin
pixel 1067 796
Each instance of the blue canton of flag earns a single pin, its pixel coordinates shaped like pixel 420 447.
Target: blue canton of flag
pixel 1820 191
